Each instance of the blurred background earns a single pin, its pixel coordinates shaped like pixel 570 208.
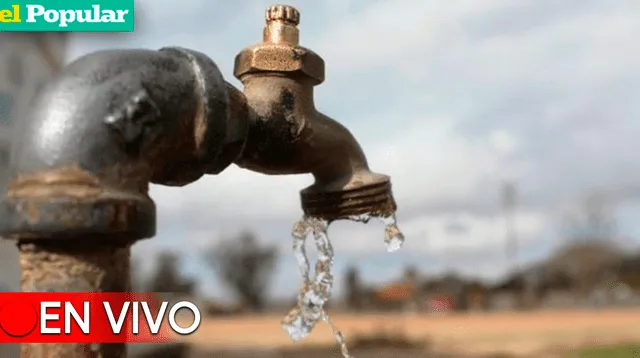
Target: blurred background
pixel 507 128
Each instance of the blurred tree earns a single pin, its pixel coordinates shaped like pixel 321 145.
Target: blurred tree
pixel 411 274
pixel 245 267
pixel 586 264
pixel 167 276
pixel 353 289
pixel 590 255
pixel 592 220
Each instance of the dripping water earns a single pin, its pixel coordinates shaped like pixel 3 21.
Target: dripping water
pixel 393 237
pixel 316 290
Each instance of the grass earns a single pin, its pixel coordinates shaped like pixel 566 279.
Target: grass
pixel 621 351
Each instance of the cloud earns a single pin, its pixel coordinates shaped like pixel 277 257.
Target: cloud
pixel 449 98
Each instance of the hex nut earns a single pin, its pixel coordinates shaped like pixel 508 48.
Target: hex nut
pixel 279 58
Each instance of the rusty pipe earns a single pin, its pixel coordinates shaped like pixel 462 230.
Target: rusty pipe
pixel 288 135
pixel 108 125
pixel 95 137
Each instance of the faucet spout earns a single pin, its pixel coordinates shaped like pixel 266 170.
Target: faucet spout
pixel 288 135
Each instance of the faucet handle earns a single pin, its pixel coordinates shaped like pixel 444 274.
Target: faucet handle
pixel 280 50
pixel 283 13
pixel 282 25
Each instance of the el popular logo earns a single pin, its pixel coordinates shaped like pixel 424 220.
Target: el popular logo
pixel 67 16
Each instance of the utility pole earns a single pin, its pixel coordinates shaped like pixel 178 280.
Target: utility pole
pixel 509 195
pixel 509 198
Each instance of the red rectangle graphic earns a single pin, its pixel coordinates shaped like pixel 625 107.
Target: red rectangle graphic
pixel 89 317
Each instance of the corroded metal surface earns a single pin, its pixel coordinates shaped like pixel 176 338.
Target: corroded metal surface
pixel 74 266
pixel 73 351
pixel 376 199
pixel 95 137
pixel 109 124
pixel 66 202
pixel 81 266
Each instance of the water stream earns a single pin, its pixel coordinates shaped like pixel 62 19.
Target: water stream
pixel 316 290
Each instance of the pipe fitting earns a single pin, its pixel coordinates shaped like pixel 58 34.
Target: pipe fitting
pixel 280 50
pixel 287 135
pixel 111 123
pixel 95 137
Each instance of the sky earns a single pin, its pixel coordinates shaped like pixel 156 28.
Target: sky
pixel 449 98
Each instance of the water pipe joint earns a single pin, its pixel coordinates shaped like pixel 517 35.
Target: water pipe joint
pixel 104 128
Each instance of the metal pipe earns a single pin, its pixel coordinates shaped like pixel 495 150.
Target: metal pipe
pixel 72 266
pixel 95 137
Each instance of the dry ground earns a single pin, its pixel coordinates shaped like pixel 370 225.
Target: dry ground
pixel 538 334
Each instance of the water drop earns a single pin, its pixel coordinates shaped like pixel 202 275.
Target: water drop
pixel 393 237
pixel 362 218
pixel 316 290
pixel 296 325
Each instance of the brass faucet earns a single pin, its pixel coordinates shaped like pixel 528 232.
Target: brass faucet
pixel 288 135
pixel 114 121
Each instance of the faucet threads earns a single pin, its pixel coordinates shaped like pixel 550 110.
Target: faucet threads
pixel 374 199
pixel 283 13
